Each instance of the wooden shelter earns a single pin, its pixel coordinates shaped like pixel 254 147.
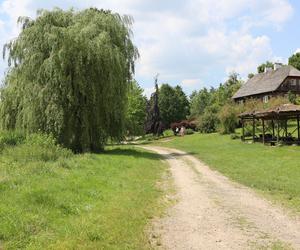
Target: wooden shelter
pixel 274 125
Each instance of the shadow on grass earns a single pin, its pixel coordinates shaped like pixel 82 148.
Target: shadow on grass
pixel 134 153
pixel 146 154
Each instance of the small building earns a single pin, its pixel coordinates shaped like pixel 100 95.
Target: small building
pixel 273 82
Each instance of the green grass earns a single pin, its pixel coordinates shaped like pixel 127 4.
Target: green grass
pixel 52 199
pixel 273 170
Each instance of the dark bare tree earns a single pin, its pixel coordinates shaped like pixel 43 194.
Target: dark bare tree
pixel 154 124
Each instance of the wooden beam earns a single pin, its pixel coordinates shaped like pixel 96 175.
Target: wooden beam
pixel 253 129
pixel 278 135
pixel 263 130
pixel 243 130
pixel 298 129
pixel 273 128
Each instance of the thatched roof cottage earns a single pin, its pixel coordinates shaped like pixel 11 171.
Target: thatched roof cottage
pixel 273 82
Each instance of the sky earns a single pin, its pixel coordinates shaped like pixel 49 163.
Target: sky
pixel 193 43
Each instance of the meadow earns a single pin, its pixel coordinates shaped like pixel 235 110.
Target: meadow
pixel 273 171
pixel 53 199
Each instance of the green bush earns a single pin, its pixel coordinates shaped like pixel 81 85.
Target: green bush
pixel 248 129
pixel 36 147
pixel 189 131
pixel 208 122
pixel 228 116
pixel 292 97
pixel 168 132
pixel 11 138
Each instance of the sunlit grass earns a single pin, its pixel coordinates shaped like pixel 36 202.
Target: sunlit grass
pixel 58 200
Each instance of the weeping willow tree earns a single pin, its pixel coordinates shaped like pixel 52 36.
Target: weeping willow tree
pixel 68 75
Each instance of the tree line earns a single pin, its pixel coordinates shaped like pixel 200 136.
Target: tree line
pixel 213 109
pixel 71 75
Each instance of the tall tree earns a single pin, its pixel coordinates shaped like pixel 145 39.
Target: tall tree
pixel 69 74
pixel 199 101
pixel 153 123
pixel 136 110
pixel 183 103
pixel 294 60
pixel 173 104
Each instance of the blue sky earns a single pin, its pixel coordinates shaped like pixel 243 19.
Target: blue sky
pixel 194 43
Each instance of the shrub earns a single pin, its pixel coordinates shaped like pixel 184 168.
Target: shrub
pixel 228 118
pixel 189 131
pixel 168 133
pixel 292 97
pixel 208 122
pixel 36 147
pixel 11 138
pixel 248 129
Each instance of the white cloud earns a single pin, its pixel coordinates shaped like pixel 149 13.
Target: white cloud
pixel 191 82
pixel 183 40
pixel 208 36
pixel 278 12
pixel 14 9
pixel 247 52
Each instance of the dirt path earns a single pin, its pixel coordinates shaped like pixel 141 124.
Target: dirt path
pixel 214 213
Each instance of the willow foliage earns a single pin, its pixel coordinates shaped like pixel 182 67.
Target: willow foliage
pixel 68 75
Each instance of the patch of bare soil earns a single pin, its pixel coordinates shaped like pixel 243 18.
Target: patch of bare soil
pixel 213 212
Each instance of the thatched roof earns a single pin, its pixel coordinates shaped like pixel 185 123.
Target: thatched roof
pixel 266 82
pixel 278 111
pixel 285 108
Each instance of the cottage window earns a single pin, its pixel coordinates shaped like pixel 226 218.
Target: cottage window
pixel 266 99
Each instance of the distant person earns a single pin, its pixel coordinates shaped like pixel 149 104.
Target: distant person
pixel 182 131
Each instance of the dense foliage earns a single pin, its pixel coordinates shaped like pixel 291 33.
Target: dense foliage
pixel 173 104
pixel 136 110
pixel 68 76
pixel 199 100
pixel 228 118
pixel 294 60
pixel 206 104
pixel 208 122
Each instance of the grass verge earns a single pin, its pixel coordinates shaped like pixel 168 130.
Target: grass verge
pixel 52 199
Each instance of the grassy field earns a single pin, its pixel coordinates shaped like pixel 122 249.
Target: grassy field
pixel 273 170
pixel 52 199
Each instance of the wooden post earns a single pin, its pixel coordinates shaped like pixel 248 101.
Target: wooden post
pixel 253 129
pixel 243 130
pixel 273 128
pixel 263 127
pixel 298 129
pixel 286 128
pixel 278 135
